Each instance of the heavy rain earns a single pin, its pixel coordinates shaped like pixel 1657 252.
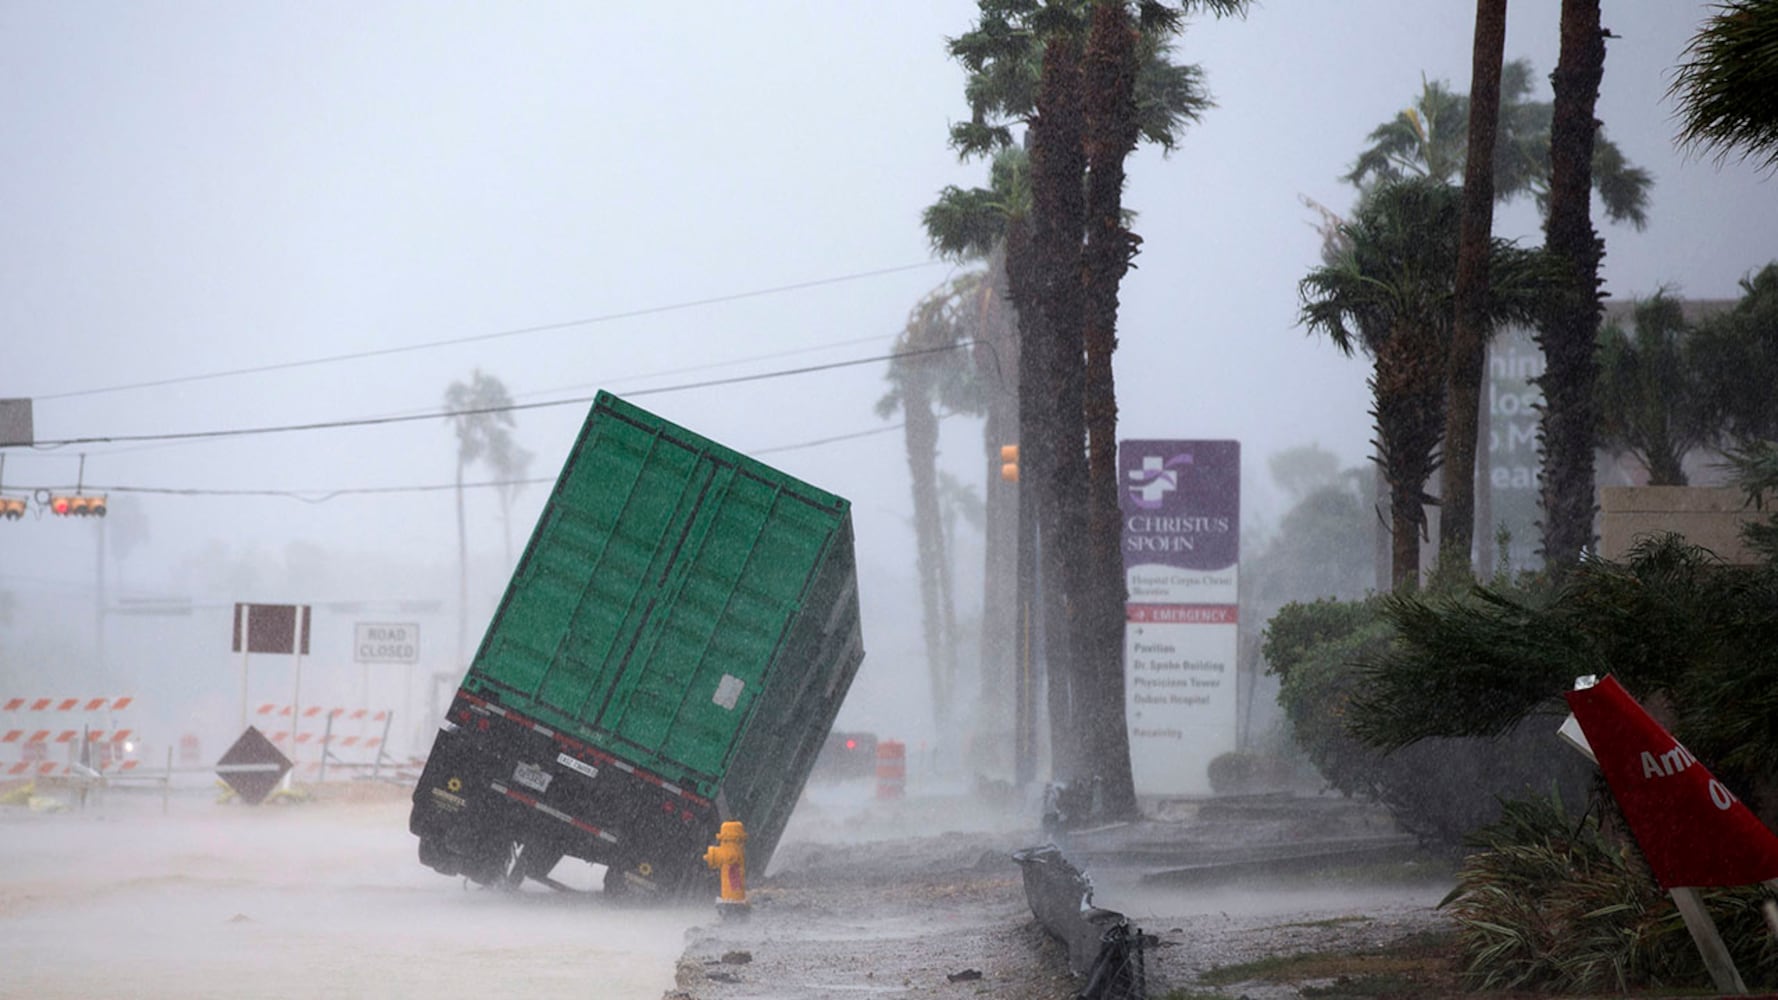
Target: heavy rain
pixel 455 460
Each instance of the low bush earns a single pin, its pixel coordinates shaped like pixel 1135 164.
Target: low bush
pixel 1239 772
pixel 1545 903
pixel 1437 788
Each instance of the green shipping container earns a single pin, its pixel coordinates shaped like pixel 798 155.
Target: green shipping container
pixel 670 653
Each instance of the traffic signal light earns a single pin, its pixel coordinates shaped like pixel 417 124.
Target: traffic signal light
pixel 12 508
pixel 78 505
pixel 1009 462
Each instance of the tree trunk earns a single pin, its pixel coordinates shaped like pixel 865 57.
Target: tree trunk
pixel 1469 336
pixel 1666 466
pixel 921 433
pixel 1110 131
pixel 1057 167
pixel 462 575
pixel 996 751
pixel 1032 411
pixel 1409 388
pixel 1570 330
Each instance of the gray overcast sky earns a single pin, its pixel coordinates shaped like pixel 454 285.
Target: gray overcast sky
pixel 202 186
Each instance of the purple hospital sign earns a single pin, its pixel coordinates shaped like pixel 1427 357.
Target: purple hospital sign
pixel 1181 503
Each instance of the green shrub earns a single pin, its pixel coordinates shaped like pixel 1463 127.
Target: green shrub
pixel 1547 904
pixel 1437 788
pixel 1696 641
pixel 1241 772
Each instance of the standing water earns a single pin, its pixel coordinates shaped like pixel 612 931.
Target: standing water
pixel 317 899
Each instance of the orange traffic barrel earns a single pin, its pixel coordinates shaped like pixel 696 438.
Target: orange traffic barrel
pixel 892 769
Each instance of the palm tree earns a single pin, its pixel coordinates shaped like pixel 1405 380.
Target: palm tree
pixel 1390 294
pixel 1430 138
pixel 1736 352
pixel 1137 93
pixel 1569 329
pixel 1469 333
pixel 1725 88
pixel 926 374
pixel 992 224
pixel 480 412
pixel 1651 402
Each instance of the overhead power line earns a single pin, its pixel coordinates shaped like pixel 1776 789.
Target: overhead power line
pixel 498 334
pixel 322 496
pixel 407 418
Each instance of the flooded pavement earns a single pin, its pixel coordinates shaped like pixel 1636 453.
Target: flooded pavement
pixel 857 903
pixel 913 898
pixel 318 899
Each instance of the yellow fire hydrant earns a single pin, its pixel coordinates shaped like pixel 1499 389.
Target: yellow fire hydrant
pixel 729 856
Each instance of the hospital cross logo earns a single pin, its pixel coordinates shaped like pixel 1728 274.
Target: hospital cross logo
pixel 1156 478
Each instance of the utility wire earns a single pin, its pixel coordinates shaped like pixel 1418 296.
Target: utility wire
pixel 618 380
pixel 322 496
pixel 374 421
pixel 514 332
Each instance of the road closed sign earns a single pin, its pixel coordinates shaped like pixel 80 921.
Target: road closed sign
pixel 386 642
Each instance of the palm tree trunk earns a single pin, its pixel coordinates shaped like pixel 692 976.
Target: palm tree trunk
pixel 1569 333
pixel 921 432
pixel 1409 389
pixel 462 575
pixel 1110 131
pixel 1057 167
pixel 995 747
pixel 1021 280
pixel 1469 336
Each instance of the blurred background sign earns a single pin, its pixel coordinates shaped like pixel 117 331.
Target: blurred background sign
pixel 386 642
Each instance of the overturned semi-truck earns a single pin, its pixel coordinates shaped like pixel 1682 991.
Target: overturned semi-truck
pixel 669 654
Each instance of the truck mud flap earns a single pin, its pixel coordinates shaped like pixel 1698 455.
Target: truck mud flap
pixel 1103 946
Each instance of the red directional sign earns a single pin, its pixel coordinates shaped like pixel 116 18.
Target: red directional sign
pixel 1692 829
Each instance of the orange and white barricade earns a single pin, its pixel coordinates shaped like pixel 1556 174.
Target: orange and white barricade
pixel 326 737
pixel 42 737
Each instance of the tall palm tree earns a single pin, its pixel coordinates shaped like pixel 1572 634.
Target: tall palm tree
pixel 1431 139
pixel 1650 401
pixel 1569 329
pixel 480 412
pixel 1725 87
pixel 1025 63
pixel 991 224
pixel 1390 295
pixel 925 375
pixel 1469 333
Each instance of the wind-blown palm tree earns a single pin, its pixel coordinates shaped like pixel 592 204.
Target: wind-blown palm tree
pixel 992 225
pixel 1021 55
pixel 1737 356
pixel 480 412
pixel 1650 400
pixel 1725 87
pixel 1430 138
pixel 1028 62
pixel 1390 295
pixel 924 374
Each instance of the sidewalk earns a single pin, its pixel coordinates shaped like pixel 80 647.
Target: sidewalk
pixel 862 900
